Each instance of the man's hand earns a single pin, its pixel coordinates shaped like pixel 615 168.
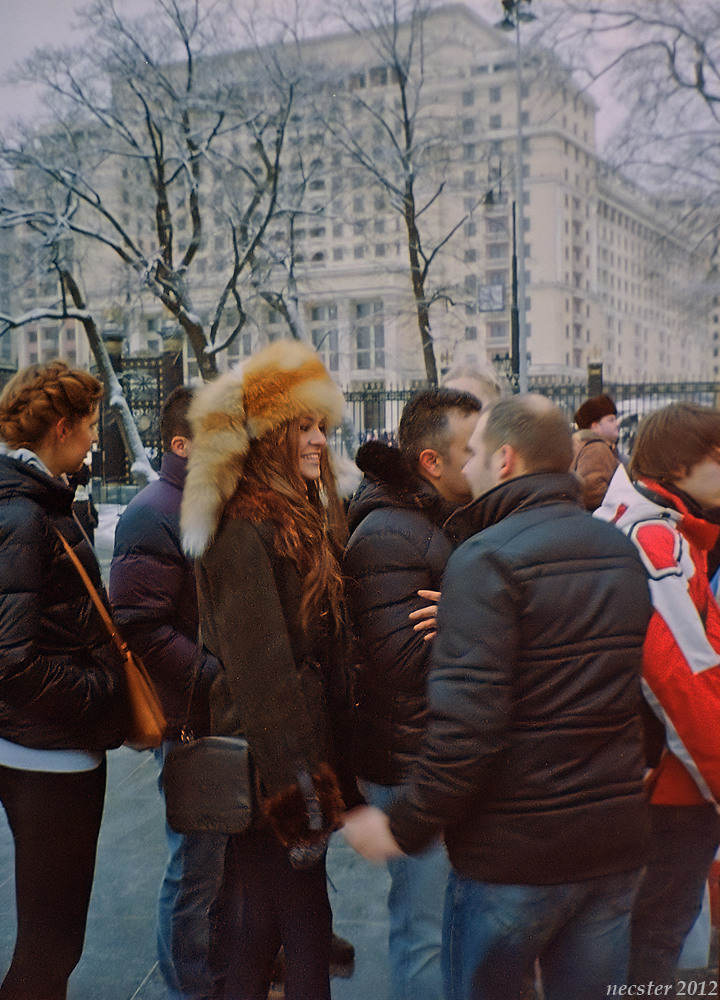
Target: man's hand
pixel 367 830
pixel 426 618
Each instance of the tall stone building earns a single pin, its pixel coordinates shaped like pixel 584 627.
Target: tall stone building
pixel 609 277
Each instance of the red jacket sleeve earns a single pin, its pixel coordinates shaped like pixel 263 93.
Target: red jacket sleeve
pixel 681 663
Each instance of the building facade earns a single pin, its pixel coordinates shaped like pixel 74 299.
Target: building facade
pixel 609 277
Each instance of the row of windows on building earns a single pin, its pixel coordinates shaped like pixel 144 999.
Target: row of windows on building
pixel 49 342
pixel 338 175
pixel 367 342
pixel 382 76
pixel 497 333
pixel 357 251
pixel 367 334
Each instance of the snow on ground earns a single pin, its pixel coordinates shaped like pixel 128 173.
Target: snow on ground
pixel 105 534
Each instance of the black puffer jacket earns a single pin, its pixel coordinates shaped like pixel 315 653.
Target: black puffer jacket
pixel 533 758
pixel 62 684
pixel 397 547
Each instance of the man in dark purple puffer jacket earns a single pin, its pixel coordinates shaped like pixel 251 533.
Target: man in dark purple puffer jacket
pixel 152 582
pixel 152 590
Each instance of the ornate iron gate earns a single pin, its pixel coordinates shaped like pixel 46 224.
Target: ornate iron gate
pixel 146 384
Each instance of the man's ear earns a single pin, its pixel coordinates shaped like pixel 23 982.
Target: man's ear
pixel 429 464
pixel 180 445
pixel 508 462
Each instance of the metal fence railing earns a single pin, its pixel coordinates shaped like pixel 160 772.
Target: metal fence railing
pixel 374 411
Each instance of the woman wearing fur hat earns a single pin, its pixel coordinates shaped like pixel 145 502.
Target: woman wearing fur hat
pixel 261 513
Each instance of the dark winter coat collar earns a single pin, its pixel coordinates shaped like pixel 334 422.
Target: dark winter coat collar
pixel 173 469
pixel 19 479
pixel 533 490
pixel 390 481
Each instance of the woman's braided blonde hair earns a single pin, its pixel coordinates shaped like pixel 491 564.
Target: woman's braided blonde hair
pixel 38 396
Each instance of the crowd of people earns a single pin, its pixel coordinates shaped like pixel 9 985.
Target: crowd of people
pixel 495 666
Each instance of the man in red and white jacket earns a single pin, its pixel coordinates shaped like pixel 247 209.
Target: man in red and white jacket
pixel 675 472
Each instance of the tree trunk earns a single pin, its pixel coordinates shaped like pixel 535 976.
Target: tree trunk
pixel 418 287
pixel 141 470
pixel 207 363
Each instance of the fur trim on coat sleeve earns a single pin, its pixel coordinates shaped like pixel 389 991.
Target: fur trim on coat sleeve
pixel 288 815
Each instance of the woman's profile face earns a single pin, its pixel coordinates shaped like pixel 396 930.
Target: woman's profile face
pixel 311 444
pixel 78 441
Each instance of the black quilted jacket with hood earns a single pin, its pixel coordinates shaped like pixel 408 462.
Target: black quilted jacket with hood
pixel 62 683
pixel 396 548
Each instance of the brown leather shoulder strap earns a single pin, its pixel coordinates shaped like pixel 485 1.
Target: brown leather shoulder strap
pixel 94 596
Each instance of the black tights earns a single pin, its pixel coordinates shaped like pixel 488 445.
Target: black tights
pixel 280 905
pixel 55 821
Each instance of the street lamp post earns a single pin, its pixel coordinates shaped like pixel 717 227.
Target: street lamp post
pixel 515 12
pixel 514 311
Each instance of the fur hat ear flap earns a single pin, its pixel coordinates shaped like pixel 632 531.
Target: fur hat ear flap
pixel 220 444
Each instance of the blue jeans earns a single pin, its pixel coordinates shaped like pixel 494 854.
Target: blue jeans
pixel 186 904
pixel 579 931
pixel 683 843
pixel 415 905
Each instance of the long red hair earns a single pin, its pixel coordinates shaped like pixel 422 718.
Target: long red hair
pixel 307 516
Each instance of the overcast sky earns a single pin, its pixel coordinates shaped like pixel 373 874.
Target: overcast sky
pixel 22 26
pixel 29 24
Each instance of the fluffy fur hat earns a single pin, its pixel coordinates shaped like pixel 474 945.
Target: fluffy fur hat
pixel 281 383
pixel 594 409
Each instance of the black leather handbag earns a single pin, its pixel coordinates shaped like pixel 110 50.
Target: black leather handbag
pixel 208 781
pixel 208 785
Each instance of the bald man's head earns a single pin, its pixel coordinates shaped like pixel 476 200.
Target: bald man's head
pixel 535 427
pixel 484 385
pixel 517 436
